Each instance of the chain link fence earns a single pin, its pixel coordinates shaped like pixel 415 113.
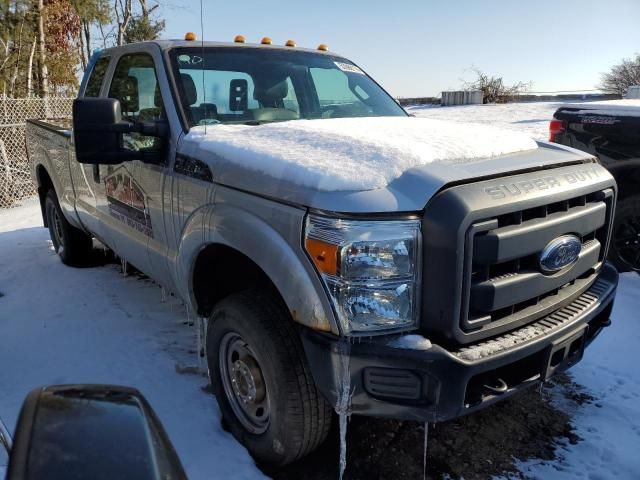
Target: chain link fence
pixel 15 179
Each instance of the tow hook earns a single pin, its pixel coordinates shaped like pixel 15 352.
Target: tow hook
pixel 497 386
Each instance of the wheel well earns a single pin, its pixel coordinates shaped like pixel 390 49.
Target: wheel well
pixel 628 184
pixel 220 271
pixel 44 185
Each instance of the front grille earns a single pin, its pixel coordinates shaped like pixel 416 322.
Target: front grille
pixel 549 324
pixel 481 245
pixel 502 281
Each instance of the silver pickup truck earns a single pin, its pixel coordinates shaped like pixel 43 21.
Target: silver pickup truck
pixel 346 256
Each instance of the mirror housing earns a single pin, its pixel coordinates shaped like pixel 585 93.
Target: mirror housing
pixel 98 129
pixel 91 431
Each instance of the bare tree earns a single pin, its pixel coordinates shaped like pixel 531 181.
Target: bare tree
pixel 144 26
pixel 91 13
pixel 30 69
pixel 494 89
pixel 42 57
pixel 124 13
pixel 14 76
pixel 621 76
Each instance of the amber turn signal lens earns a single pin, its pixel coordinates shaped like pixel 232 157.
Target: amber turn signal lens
pixel 323 47
pixel 239 39
pixel 190 37
pixel 324 255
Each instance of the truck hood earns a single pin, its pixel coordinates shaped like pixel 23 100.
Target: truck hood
pixel 363 165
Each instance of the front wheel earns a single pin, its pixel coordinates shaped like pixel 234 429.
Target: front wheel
pixel 624 252
pixel 259 373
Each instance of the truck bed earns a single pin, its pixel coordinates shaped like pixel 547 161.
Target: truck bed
pixel 626 107
pixel 60 125
pixel 602 128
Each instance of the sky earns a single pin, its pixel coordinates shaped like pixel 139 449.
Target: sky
pixel 419 48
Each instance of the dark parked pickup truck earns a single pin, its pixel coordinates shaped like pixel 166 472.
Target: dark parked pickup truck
pixel 611 131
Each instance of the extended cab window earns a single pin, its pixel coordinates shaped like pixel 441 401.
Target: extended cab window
pixel 135 85
pixel 259 85
pixel 97 76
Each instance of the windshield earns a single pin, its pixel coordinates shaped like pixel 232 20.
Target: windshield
pixel 259 85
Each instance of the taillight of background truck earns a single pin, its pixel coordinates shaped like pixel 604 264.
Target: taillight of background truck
pixel 556 127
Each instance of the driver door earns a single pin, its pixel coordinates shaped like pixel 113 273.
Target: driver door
pixel 134 188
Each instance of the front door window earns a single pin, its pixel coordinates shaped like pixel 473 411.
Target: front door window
pixel 135 85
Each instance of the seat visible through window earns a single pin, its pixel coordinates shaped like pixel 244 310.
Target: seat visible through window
pixel 203 111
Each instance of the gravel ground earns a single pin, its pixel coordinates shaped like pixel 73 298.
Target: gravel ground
pixel 480 446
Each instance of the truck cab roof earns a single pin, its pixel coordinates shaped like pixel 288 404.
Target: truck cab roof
pixel 169 44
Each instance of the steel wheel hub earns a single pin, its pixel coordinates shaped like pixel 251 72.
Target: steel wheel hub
pixel 244 384
pixel 247 380
pixel 57 228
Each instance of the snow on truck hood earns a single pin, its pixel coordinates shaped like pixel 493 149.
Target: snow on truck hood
pixel 348 154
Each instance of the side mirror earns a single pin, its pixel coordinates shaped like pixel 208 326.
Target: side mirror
pixel 91 431
pixel 98 131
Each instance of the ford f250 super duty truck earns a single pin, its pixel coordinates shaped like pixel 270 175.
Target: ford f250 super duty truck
pixel 345 255
pixel 610 130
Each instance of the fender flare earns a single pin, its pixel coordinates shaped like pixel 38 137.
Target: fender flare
pixel 286 266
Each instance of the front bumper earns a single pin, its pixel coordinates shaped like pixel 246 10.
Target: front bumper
pixel 437 384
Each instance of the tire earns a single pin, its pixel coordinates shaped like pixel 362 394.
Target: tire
pixel 251 338
pixel 624 251
pixel 73 246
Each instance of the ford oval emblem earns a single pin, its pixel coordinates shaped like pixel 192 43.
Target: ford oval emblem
pixel 560 253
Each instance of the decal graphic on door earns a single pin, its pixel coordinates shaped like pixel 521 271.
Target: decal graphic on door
pixel 127 201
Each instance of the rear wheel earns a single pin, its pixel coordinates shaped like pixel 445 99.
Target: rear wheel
pixel 258 371
pixel 625 242
pixel 72 245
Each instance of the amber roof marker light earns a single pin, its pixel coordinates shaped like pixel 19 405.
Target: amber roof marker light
pixel 239 39
pixel 323 47
pixel 190 37
pixel 266 41
pixel 290 43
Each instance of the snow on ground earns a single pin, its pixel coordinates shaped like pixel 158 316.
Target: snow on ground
pixel 610 425
pixel 371 152
pixel 92 325
pixel 531 118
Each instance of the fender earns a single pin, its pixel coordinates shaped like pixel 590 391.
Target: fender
pixel 56 164
pixel 624 167
pixel 238 220
pixel 627 174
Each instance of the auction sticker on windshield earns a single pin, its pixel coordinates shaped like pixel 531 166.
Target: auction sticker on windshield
pixel 347 67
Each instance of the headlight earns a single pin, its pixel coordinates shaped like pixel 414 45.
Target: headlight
pixel 370 268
